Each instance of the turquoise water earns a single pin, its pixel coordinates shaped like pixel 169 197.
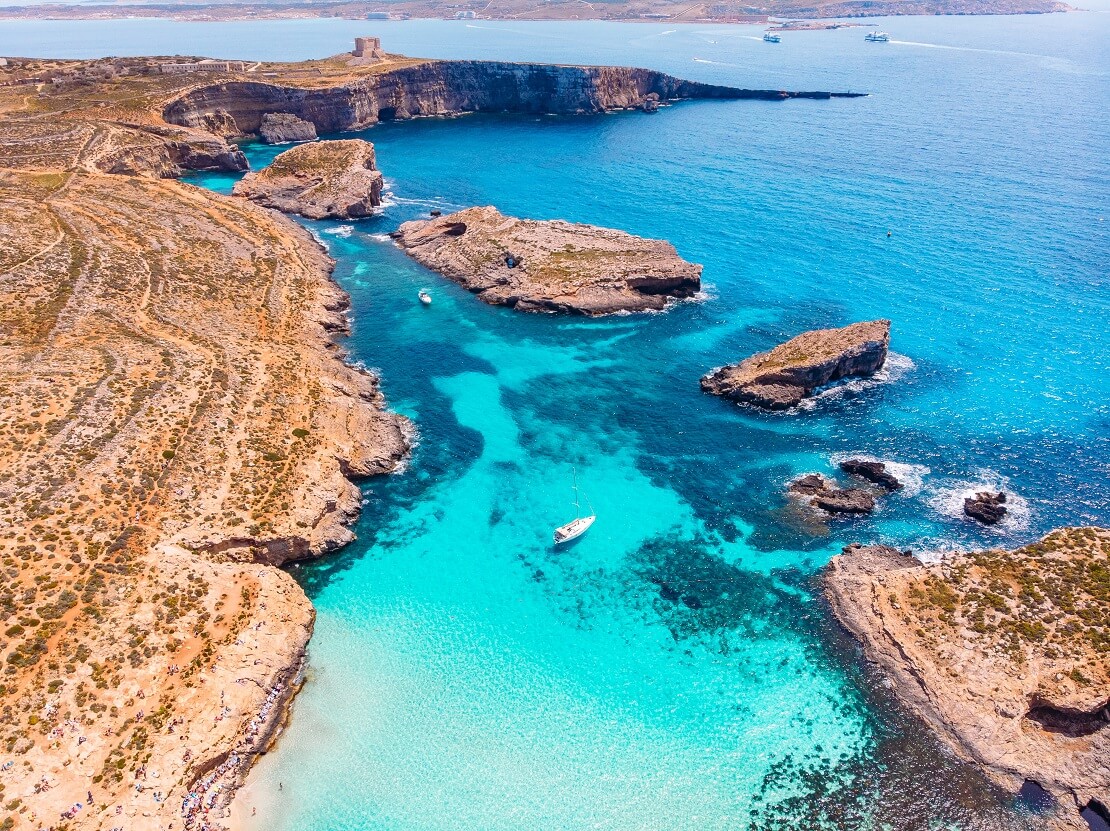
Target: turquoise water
pixel 674 668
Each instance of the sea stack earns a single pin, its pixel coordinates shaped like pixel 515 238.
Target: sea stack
pixel 321 180
pixel 987 507
pixel 550 266
pixel 1004 654
pixel 873 472
pixel 279 128
pixel 830 497
pixel 789 373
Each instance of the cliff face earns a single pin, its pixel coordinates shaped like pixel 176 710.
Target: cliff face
pixel 1005 654
pixel 444 87
pixel 550 266
pixel 782 377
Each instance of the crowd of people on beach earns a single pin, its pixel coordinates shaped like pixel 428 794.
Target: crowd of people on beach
pixel 197 804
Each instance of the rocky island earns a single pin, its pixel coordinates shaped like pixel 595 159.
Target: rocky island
pixel 324 179
pixel 1005 654
pixel 783 377
pixel 550 266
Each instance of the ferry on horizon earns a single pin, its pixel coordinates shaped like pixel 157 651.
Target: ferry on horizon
pixel 877 37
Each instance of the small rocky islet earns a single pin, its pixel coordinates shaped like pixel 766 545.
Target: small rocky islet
pixel 791 372
pixel 550 265
pixel 320 180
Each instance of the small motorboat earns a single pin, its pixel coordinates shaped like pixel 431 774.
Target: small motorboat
pixel 577 526
pixel 877 37
pixel 771 37
pixel 425 298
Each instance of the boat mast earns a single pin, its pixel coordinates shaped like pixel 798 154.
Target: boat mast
pixel 577 509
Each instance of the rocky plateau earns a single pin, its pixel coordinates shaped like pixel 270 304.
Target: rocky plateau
pixel 549 266
pixel 322 179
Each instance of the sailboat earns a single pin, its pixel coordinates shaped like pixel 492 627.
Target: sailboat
pixel 577 526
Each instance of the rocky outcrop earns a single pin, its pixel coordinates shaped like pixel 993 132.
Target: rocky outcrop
pixel 549 266
pixel 986 507
pixel 783 377
pixel 1003 653
pixel 874 472
pixel 326 179
pixel 830 497
pixel 280 128
pixel 450 87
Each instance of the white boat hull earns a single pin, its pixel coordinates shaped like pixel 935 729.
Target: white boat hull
pixel 573 529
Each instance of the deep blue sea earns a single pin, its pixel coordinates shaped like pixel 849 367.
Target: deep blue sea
pixel 675 668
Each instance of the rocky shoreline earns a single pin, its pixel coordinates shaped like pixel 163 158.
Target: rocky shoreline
pixel 1002 653
pixel 238 105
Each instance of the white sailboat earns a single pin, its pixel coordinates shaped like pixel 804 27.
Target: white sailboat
pixel 577 526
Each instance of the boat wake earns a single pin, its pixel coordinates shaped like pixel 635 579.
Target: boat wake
pixel 339 231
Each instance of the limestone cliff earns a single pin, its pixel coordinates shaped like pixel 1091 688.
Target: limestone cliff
pixel 325 179
pixel 443 88
pixel 781 378
pixel 1005 654
pixel 549 266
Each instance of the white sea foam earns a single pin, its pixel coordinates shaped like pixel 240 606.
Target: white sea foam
pixel 947 499
pixel 380 237
pixel 911 476
pixel 895 368
pixel 339 231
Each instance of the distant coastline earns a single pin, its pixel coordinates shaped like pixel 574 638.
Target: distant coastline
pixel 658 11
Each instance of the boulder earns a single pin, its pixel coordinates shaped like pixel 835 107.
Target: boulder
pixel 874 472
pixel 784 376
pixel 551 265
pixel 324 179
pixel 829 497
pixel 986 507
pixel 280 128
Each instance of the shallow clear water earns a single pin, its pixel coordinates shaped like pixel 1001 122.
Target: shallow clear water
pixel 674 668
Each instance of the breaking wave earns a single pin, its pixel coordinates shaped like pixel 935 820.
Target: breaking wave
pixel 948 501
pixel 896 367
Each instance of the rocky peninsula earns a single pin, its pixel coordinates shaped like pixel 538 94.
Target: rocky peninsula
pixel 550 266
pixel 343 97
pixel 784 376
pixel 324 179
pixel 178 419
pixel 1004 654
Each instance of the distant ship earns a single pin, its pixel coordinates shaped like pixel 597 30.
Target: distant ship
pixel 877 37
pixel 770 37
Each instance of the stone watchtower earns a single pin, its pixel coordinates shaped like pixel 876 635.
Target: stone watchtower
pixel 369 49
